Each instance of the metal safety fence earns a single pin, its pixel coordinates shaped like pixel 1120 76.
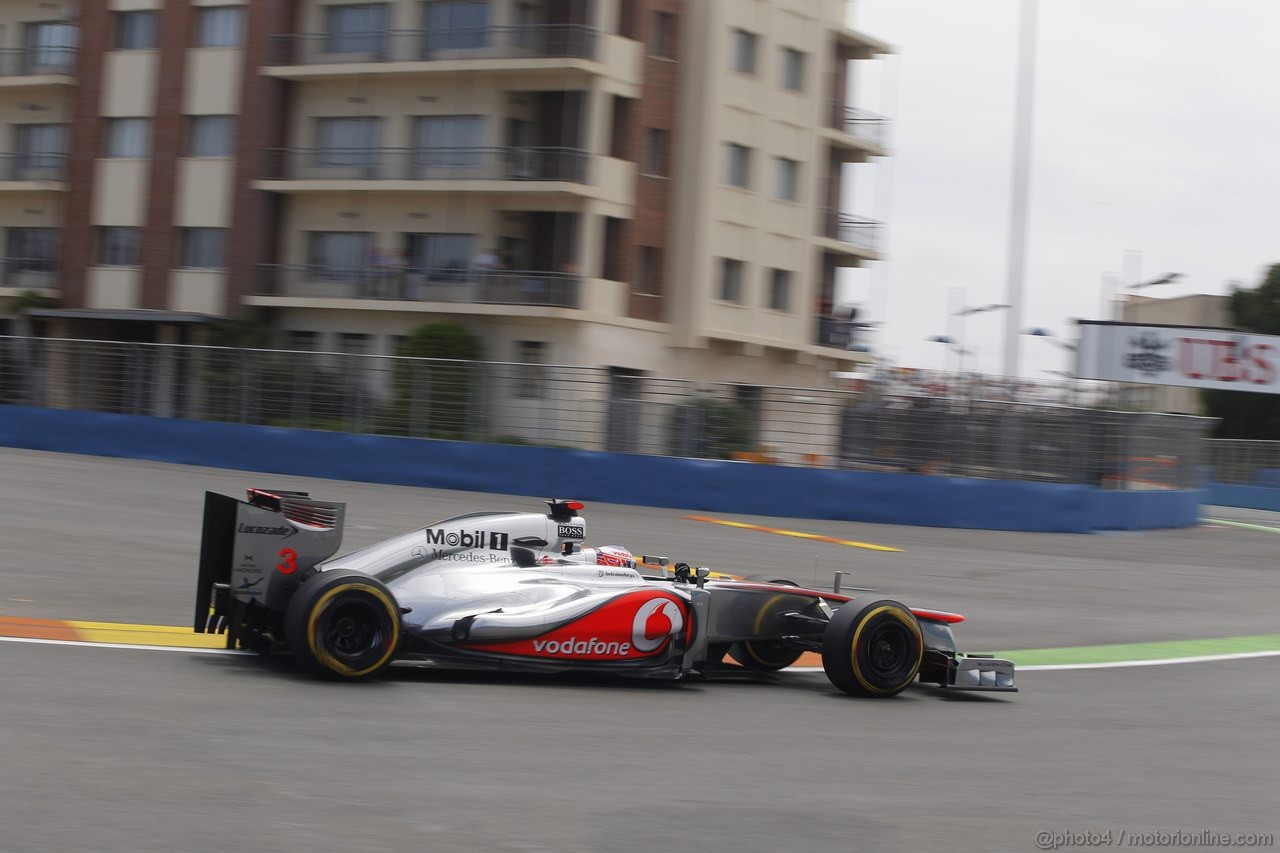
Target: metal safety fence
pixel 877 427
pixel 1243 462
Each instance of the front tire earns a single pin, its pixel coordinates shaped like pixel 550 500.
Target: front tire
pixel 343 625
pixel 872 647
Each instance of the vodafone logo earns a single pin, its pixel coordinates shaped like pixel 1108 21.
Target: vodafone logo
pixel 655 622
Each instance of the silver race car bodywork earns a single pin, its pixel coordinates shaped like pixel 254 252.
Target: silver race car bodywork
pixel 508 590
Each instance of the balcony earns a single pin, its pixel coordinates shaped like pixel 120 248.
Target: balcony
pixel 33 66
pixel 418 168
pixel 851 234
pixel 841 333
pixel 32 171
pixel 468 46
pixel 403 288
pixel 18 275
pixel 856 129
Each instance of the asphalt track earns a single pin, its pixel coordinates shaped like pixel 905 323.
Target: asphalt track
pixel 106 749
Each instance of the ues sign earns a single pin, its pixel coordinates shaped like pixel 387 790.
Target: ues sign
pixel 1179 355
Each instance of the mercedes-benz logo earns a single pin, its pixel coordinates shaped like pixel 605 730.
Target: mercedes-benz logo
pixel 418 552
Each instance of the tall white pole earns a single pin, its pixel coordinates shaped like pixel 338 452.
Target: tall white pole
pixel 1016 269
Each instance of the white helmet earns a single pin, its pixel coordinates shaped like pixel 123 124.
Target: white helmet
pixel 609 555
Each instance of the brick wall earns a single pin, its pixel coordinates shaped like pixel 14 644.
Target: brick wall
pixel 159 250
pixel 656 108
pixel 85 143
pixel 254 230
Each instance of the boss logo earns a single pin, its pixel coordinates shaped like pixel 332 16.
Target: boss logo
pixel 571 531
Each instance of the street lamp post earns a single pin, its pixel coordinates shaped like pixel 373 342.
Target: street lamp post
pixel 952 344
pixel 969 311
pixel 1111 291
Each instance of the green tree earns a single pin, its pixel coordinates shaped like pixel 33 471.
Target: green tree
pixel 437 398
pixel 1244 414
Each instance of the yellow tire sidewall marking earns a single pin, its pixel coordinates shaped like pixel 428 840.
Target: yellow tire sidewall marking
pixel 902 617
pixel 329 660
pixel 746 644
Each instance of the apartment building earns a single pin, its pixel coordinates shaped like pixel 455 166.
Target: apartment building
pixel 649 185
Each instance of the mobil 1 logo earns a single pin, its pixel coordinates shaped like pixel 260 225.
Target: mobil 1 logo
pixel 492 540
pixel 571 531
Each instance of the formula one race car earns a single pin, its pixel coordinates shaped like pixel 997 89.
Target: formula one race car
pixel 519 592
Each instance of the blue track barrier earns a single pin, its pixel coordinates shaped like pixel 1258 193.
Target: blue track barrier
pixel 1248 497
pixel 696 484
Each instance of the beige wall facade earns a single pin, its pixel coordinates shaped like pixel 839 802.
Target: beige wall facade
pixel 544 76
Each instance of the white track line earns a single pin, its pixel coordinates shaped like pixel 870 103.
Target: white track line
pixel 187 649
pixel 1119 664
pixel 803 670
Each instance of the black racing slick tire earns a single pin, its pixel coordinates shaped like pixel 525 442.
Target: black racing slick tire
pixel 872 647
pixel 343 625
pixel 765 655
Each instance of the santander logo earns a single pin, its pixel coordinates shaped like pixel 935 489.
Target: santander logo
pixel 655 622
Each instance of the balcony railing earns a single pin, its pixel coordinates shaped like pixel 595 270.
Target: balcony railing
pixel 28 273
pixel 546 40
pixel 428 164
pixel 842 333
pixel 859 123
pixel 16 62
pixel 458 284
pixel 855 230
pixel 33 167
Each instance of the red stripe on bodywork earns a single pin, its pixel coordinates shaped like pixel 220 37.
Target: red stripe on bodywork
pixel 920 612
pixel 937 615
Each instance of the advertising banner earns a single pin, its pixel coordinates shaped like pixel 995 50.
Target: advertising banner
pixel 1179 355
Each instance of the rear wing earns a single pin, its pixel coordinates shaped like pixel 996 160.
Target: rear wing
pixel 255 552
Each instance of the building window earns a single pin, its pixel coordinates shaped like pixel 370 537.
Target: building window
pixel 357 28
pixel 657 142
pixel 660 37
pixel 300 341
pixel 137 30
pixel 456 25
pixel 792 69
pixel 788 187
pixel 347 141
pixel 447 142
pixel 744 51
pixel 211 136
pixel 442 257
pixel 119 247
pixel 531 376
pixel 780 290
pixel 730 280
pixel 128 137
pixel 41 151
pixel 738 166
pixel 31 250
pixel 50 48
pixel 648 270
pixel 220 26
pixel 202 248
pixel 353 343
pixel 338 255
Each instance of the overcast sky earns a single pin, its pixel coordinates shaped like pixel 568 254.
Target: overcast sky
pixel 1157 128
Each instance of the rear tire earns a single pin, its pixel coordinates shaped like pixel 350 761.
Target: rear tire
pixel 343 625
pixel 872 647
pixel 765 655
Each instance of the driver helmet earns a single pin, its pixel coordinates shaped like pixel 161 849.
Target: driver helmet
pixel 610 555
